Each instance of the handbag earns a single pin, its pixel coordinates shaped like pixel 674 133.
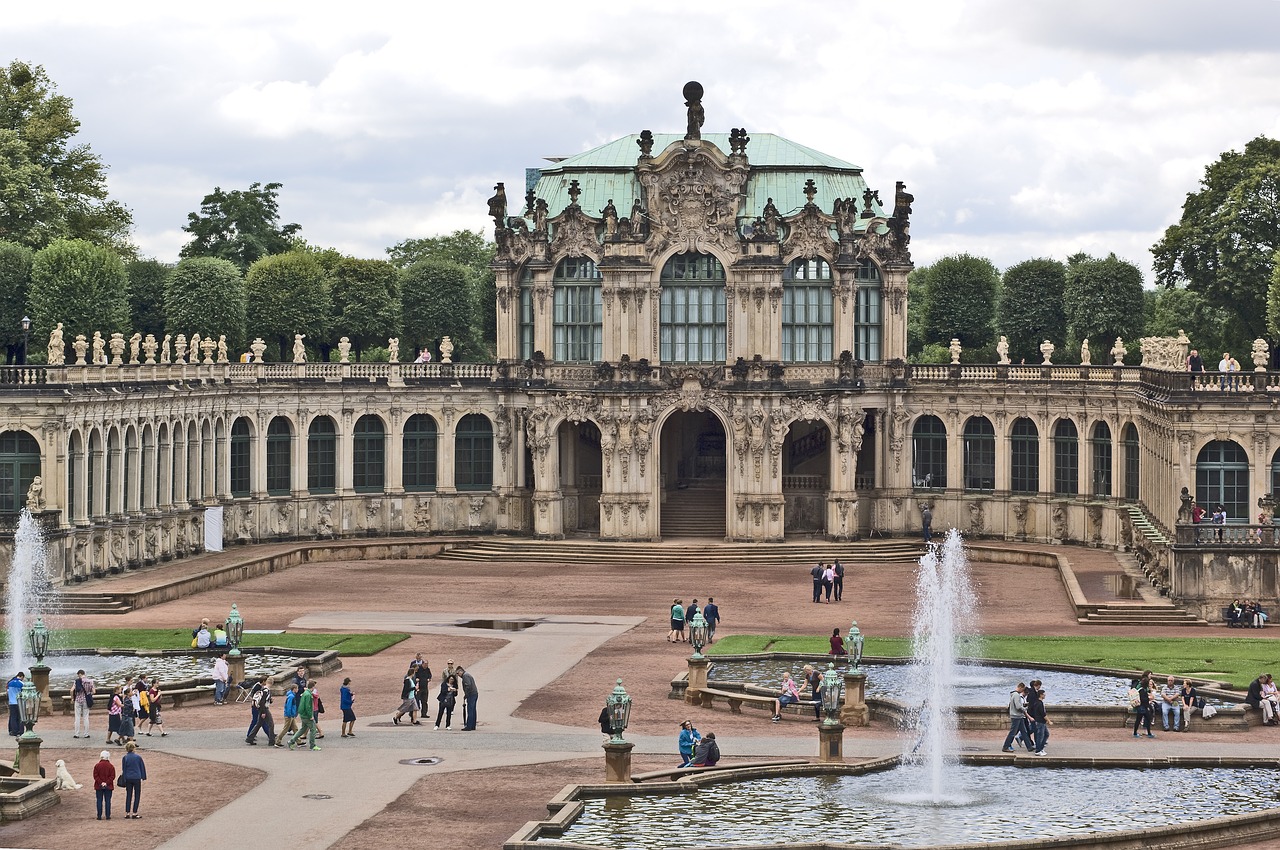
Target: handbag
pixel 120 782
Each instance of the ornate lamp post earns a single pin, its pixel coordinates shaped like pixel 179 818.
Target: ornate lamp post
pixel 26 335
pixel 831 730
pixel 855 711
pixel 699 632
pixel 235 631
pixel 617 752
pixel 29 743
pixel 38 641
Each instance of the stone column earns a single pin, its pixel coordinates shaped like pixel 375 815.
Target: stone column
pixel 617 761
pixel 29 755
pixel 831 743
pixel 133 492
pixel 697 679
pixel 393 456
pixel 548 507
pixel 235 668
pixel 98 460
pixel 854 711
pixel 258 462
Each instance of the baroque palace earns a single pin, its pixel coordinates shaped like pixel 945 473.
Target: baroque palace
pixel 698 335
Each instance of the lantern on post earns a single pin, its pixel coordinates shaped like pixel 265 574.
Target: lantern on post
pixel 831 694
pixel 235 629
pixel 853 644
pixel 699 631
pixel 26 336
pixel 618 705
pixel 38 639
pixel 29 742
pixel 29 707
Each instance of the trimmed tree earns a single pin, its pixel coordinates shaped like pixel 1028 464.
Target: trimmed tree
pixel 1103 300
pixel 960 298
pixel 240 226
pixel 147 280
pixel 15 280
pixel 80 284
pixel 436 298
pixel 366 302
pixel 206 295
pixel 1030 309
pixel 287 294
pixel 468 248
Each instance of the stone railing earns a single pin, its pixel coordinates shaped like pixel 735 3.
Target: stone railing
pixel 813 483
pixel 22 375
pixel 987 373
pixel 14 377
pixel 1233 535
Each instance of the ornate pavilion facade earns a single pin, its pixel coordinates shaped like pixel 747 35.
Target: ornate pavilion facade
pixel 698 334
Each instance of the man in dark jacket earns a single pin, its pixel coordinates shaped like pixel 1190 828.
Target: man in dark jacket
pixel 1254 699
pixel 708 752
pixel 470 694
pixel 816 574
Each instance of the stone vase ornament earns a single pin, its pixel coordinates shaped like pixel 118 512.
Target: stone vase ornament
pixel 149 347
pixel 207 345
pixel 955 350
pixel 180 349
pixel 1118 351
pixel 344 350
pixel 258 347
pixel 117 349
pixel 1046 350
pixel 1261 355
pixel 446 350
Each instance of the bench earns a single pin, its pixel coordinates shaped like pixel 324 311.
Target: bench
pixel 1226 618
pixel 735 699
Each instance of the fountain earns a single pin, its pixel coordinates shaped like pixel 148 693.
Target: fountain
pixel 30 593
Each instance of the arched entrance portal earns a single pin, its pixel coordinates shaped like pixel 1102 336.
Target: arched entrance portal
pixel 581 473
pixel 806 468
pixel 693 476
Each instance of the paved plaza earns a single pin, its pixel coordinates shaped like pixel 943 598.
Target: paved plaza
pixel 540 693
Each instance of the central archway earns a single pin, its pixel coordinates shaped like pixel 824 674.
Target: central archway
pixel 693 468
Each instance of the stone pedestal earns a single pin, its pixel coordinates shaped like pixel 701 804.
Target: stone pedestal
pixel 617 761
pixel 29 755
pixel 235 668
pixel 40 678
pixel 697 680
pixel 854 712
pixel 831 743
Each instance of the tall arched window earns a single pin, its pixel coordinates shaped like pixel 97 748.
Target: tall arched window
pixel 578 311
pixel 146 470
pixel 929 453
pixel 526 313
pixel 1100 445
pixel 93 474
pixel 1222 478
pixel 1066 458
pixel 419 454
pixel 868 312
pixel 322 455
pixel 19 465
pixel 1275 472
pixel 1132 464
pixel 692 310
pixel 806 312
pixel 368 451
pixel 473 453
pixel 1024 457
pixel 979 454
pixel 241 458
pixel 279 457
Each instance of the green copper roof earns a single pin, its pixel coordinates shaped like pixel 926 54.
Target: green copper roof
pixel 779 169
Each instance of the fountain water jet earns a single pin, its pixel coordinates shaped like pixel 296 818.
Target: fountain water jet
pixel 29 590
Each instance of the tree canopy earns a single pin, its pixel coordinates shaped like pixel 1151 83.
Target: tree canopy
pixel 15 279
pixel 51 188
pixel 239 226
pixel 468 248
pixel 1030 308
pixel 436 298
pixel 960 297
pixel 206 295
pixel 147 280
pixel 366 301
pixel 1103 300
pixel 288 294
pixel 80 284
pixel 1212 330
pixel 1224 245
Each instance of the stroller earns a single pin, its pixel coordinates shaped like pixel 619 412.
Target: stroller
pixel 246 689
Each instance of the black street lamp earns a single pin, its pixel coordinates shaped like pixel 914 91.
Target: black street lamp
pixel 26 334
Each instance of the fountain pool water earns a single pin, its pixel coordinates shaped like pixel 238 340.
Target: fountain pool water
pixel 30 592
pixel 114 669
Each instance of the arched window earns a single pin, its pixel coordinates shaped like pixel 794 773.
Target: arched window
pixel 419 466
pixel 526 313
pixel 692 310
pixel 241 458
pixel 279 457
pixel 93 473
pixel 322 455
pixel 578 311
pixel 1024 457
pixel 1132 463
pixel 806 312
pixel 1066 458
pixel 473 453
pixel 1222 478
pixel 979 454
pixel 164 461
pixel 868 312
pixel 929 453
pixel 146 470
pixel 1100 445
pixel 1275 473
pixel 19 465
pixel 367 455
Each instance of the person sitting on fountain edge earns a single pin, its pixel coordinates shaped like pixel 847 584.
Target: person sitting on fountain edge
pixel 790 695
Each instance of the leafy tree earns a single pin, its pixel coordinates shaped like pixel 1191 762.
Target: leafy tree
pixel 15 279
pixel 242 227
pixel 468 248
pixel 436 297
pixel 916 300
pixel 1103 300
pixel 147 279
pixel 1212 330
pixel 83 285
pixel 49 188
pixel 287 294
pixel 366 301
pixel 1224 245
pixel 206 295
pixel 960 297
pixel 1030 307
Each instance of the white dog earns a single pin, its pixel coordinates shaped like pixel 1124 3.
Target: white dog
pixel 63 780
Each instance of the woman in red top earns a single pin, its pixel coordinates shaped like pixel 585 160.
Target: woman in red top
pixel 104 782
pixel 837 643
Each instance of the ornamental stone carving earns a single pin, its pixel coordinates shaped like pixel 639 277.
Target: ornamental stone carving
pixel 574 234
pixel 809 234
pixel 57 347
pixel 694 192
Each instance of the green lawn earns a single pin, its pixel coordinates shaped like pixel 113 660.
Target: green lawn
pixel 347 644
pixel 1234 660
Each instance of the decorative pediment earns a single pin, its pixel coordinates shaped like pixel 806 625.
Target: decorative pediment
pixel 809 234
pixel 574 234
pixel 694 193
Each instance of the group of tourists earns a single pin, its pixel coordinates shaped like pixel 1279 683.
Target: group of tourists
pixel 695 749
pixel 681 616
pixel 415 692
pixel 1028 719
pixel 1246 615
pixel 129 705
pixel 828 581
pixel 1175 702
pixel 302 709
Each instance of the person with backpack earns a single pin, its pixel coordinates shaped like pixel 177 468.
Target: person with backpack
pixel 307 717
pixel 82 699
pixel 290 712
pixel 261 700
pixel 408 699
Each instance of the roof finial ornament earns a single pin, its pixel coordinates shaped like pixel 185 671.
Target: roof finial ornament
pixel 574 192
pixel 645 142
pixel 810 190
pixel 498 206
pixel 738 139
pixel 693 100
pixel 529 198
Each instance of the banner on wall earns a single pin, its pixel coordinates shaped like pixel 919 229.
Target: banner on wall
pixel 213 529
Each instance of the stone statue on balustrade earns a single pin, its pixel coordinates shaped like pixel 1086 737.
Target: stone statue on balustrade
pixel 179 349
pixel 1086 359
pixel 35 495
pixel 393 350
pixel 1261 355
pixel 1002 349
pixel 1046 350
pixel 258 348
pixel 222 348
pixel 955 350
pixel 344 350
pixel 149 347
pixel 1118 351
pixel 193 356
pixel 135 344
pixel 164 350
pixel 207 345
pixel 99 349
pixel 117 349
pixel 446 350
pixel 80 346
pixel 57 348
pixel 299 348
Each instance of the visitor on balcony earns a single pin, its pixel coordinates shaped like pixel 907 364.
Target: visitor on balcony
pixel 1220 520
pixel 1197 517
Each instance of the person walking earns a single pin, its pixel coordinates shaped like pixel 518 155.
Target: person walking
pixel 128 715
pixel 828 581
pixel 837 570
pixel 1017 720
pixel 156 695
pixel 688 740
pixel 346 702
pixel 114 708
pixel 926 522
pixel 104 782
pixel 447 698
pixel 290 712
pixel 1141 702
pixel 422 672
pixel 221 679
pixel 307 717
pixel 816 575
pixel 1035 716
pixel 1041 719
pixel 470 695
pixel 711 613
pixel 408 699
pixel 133 772
pixel 677 623
pixel 14 689
pixel 259 699
pixel 82 701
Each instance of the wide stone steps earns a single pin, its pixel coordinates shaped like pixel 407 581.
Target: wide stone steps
pixel 706 552
pixel 697 511
pixel 72 602
pixel 1142 525
pixel 1139 615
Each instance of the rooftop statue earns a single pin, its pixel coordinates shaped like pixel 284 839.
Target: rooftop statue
pixel 693 100
pixel 498 206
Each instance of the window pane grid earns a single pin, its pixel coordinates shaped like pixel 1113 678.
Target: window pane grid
pixel 1066 459
pixel 806 323
pixel 241 454
pixel 419 463
pixel 1024 466
pixel 322 450
pixel 867 323
pixel 473 453
pixel 979 456
pixel 929 453
pixel 367 454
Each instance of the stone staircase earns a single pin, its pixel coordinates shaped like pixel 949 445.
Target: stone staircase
pixel 1137 614
pixel 702 552
pixel 80 602
pixel 695 511
pixel 1143 525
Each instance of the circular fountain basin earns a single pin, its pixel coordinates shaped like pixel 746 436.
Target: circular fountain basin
pixel 115 668
pixel 981 805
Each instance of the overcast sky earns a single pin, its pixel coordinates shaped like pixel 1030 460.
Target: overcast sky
pixel 1024 128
